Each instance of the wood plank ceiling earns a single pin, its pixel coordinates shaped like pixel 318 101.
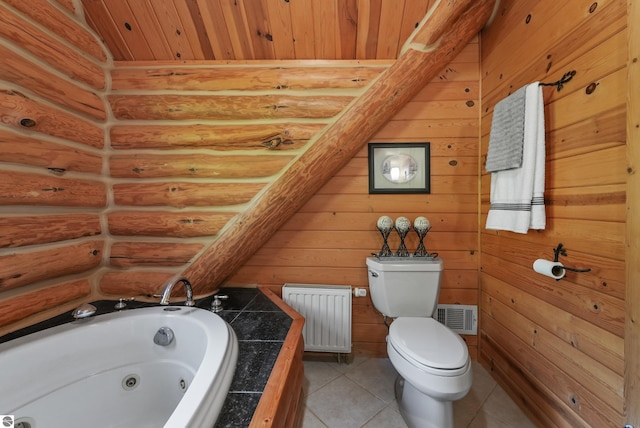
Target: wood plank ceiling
pixel 143 30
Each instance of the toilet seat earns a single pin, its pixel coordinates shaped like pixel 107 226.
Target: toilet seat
pixel 429 345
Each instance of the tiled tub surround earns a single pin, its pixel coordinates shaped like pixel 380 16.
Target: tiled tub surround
pixel 269 335
pixel 266 389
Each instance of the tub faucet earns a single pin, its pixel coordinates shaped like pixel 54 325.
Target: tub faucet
pixel 83 311
pixel 166 294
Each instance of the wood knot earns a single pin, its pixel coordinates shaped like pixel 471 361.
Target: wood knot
pixel 591 88
pixel 574 401
pixel 190 220
pixel 272 143
pixel 57 171
pixel 27 122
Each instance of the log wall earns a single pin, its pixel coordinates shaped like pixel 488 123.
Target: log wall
pixel 194 144
pixel 328 239
pixel 185 147
pixel 558 346
pixel 52 191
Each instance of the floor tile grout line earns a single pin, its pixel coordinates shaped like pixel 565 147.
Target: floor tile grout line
pixel 317 417
pixel 387 404
pixel 481 407
pixel 376 415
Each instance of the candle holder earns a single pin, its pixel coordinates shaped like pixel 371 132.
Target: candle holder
pixel 421 225
pixel 403 225
pixel 385 226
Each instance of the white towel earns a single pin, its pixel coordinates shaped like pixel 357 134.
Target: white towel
pixel 517 195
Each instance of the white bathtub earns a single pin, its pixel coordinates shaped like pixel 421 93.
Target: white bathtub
pixel 106 371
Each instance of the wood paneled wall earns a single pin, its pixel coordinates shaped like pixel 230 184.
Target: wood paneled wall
pixel 51 138
pixel 558 346
pixel 327 241
pixel 632 329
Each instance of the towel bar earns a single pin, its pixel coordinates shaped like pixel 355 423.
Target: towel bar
pixel 564 79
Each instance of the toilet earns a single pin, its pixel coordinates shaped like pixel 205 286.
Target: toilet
pixel 432 360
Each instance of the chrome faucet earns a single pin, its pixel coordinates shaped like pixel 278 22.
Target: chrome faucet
pixel 166 294
pixel 83 311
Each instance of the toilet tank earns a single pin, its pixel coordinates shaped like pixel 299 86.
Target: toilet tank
pixel 404 286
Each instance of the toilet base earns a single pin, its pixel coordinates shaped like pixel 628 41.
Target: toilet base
pixel 422 411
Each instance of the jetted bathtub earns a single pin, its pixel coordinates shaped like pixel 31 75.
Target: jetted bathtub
pixel 108 371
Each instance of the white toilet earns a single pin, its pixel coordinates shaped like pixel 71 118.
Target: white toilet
pixel 432 360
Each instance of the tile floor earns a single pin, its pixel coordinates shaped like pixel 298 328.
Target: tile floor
pixel 360 395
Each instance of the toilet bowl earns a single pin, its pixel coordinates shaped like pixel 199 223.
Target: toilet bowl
pixel 434 370
pixel 432 360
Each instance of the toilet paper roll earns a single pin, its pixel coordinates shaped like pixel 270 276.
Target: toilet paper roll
pixel 551 269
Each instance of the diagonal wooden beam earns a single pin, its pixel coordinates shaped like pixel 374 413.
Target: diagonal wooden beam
pixel 447 27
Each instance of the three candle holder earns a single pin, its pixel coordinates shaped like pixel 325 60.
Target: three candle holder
pixel 402 226
pixel 385 226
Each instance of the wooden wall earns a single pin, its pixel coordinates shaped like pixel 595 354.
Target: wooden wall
pixel 327 241
pixel 121 181
pixel 192 145
pixel 111 184
pixel 51 139
pixel 558 346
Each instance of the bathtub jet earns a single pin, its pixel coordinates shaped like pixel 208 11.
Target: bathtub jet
pixel 106 371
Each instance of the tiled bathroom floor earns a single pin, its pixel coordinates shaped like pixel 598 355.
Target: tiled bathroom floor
pixel 360 395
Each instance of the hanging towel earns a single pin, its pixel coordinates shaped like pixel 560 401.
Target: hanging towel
pixel 517 195
pixel 506 138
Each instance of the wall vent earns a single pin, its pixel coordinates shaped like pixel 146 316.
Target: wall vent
pixel 463 319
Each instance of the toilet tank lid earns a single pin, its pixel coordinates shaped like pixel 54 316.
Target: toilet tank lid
pixel 405 264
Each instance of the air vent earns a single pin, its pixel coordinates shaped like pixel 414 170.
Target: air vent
pixel 463 319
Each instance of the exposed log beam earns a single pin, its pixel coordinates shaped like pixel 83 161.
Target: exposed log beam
pixel 430 48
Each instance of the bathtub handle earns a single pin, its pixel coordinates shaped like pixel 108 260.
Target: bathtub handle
pixel 83 311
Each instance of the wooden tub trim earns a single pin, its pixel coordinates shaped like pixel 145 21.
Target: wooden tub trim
pixel 281 404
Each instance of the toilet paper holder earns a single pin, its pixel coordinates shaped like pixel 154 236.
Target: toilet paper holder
pixel 560 250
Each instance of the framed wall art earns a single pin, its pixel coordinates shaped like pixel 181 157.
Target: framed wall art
pixel 399 168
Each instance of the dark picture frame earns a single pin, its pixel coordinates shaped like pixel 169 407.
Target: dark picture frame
pixel 399 167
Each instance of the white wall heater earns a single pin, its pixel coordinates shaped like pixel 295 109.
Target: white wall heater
pixel 327 312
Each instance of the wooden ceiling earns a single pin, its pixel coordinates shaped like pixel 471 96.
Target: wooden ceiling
pixel 138 30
